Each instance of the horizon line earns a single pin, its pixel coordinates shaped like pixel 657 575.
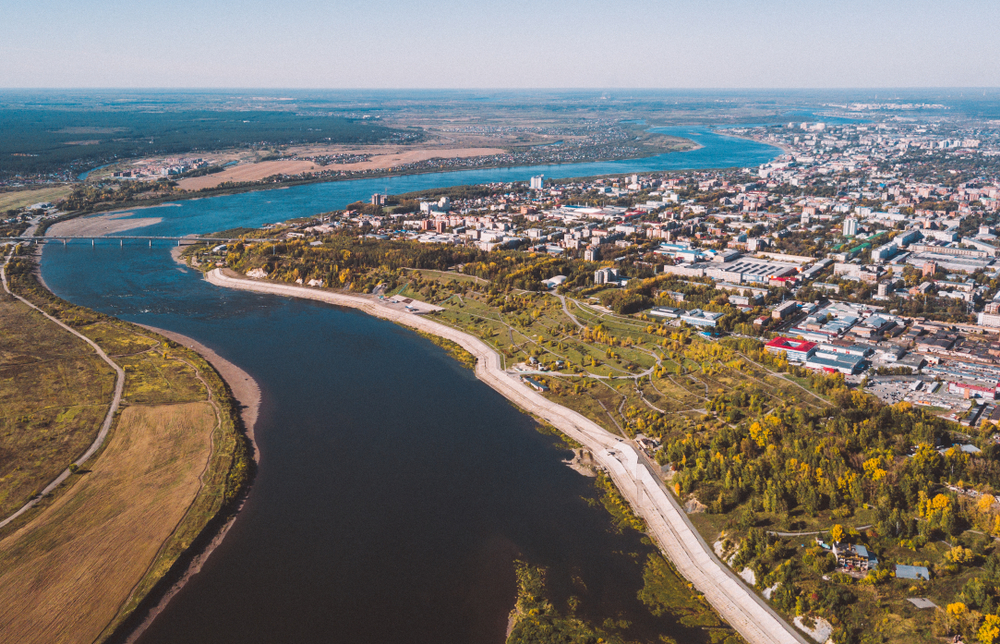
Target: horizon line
pixel 501 89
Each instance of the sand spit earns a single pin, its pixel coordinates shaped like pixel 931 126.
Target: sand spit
pixel 99 225
pixel 668 524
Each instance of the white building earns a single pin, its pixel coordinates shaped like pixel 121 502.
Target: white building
pixel 850 227
pixel 537 183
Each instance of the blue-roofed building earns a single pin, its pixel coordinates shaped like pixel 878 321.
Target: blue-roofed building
pixel 697 317
pixel 912 572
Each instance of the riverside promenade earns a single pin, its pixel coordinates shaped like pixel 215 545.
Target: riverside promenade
pixel 668 524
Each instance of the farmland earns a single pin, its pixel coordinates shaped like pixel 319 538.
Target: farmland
pixel 173 465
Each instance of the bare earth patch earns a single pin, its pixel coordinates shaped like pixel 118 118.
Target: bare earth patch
pixel 387 159
pixel 65 575
pixel 248 172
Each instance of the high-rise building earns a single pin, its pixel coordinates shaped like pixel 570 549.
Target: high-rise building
pixel 537 183
pixel 929 268
pixel 850 227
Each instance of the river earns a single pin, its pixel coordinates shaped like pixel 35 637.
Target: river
pixel 394 490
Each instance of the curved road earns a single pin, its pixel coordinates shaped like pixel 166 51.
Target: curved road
pixel 750 615
pixel 105 428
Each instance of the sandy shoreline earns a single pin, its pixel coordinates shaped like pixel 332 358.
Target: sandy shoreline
pixel 668 524
pixel 245 389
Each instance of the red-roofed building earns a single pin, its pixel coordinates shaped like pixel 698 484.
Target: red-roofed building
pixel 972 391
pixel 794 350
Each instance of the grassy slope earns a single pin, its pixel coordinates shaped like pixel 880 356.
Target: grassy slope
pixel 54 393
pixel 20 198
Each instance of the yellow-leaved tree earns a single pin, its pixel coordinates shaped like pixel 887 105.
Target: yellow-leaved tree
pixel 989 632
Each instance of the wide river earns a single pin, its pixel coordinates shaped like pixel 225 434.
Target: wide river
pixel 395 490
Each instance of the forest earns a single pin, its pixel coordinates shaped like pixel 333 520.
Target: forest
pixel 51 140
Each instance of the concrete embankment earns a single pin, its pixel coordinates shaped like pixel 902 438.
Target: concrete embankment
pixel 668 523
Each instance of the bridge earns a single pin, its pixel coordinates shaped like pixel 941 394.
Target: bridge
pixel 189 239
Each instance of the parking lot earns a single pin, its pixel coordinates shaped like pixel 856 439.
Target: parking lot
pixel 929 393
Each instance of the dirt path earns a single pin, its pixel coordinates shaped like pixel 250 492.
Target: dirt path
pixel 105 427
pixel 668 523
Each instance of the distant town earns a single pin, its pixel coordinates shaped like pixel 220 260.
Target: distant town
pixel 835 250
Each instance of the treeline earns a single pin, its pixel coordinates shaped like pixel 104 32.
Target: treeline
pixel 347 260
pixel 38 140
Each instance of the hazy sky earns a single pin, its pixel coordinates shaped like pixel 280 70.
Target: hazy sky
pixel 499 43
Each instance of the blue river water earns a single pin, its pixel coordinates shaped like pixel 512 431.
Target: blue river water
pixel 395 490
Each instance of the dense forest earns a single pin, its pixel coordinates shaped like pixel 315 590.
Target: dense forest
pixel 50 140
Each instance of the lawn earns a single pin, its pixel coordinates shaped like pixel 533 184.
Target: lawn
pixel 20 198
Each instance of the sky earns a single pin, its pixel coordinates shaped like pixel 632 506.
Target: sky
pixel 499 44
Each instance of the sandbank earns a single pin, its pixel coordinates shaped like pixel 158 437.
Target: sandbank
pixel 99 225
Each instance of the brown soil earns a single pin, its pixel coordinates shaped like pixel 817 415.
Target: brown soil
pixel 382 158
pixel 65 575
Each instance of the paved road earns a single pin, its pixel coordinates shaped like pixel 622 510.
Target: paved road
pixel 668 523
pixel 115 402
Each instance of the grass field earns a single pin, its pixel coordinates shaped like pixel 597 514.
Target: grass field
pixel 20 198
pixel 681 374
pixel 54 393
pixel 105 531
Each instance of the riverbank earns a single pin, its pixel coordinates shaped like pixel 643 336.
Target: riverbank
pixel 774 144
pixel 168 474
pixel 246 392
pixel 668 524
pixel 243 387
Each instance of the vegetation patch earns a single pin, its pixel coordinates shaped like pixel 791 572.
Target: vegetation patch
pixel 454 350
pixel 54 394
